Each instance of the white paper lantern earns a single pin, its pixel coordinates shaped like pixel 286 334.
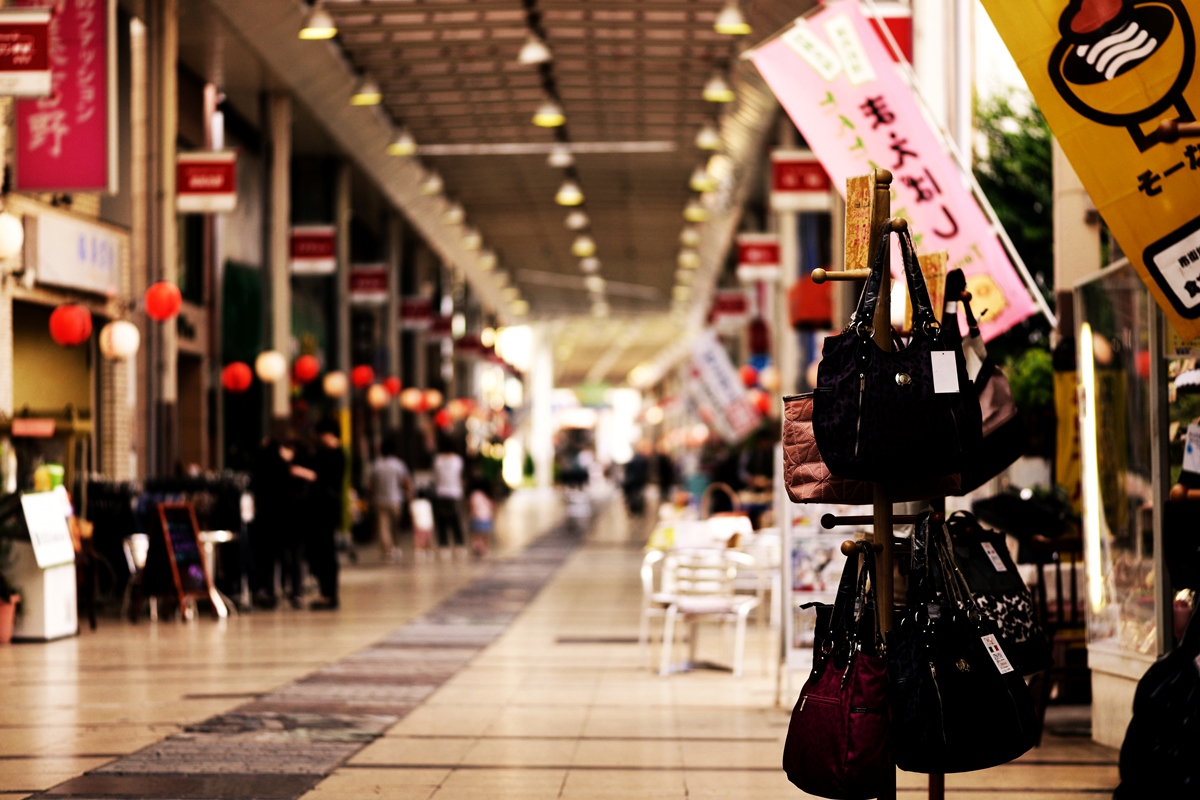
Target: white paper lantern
pixel 119 340
pixel 336 384
pixel 270 366
pixel 377 396
pixel 12 235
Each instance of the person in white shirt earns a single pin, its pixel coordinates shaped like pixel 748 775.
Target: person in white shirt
pixel 448 495
pixel 389 482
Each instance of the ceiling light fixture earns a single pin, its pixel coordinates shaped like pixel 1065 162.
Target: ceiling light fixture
pixel 454 214
pixel 701 181
pixel 688 259
pixel 684 277
pixel 730 21
pixel 432 184
pixel 510 293
pixel 366 92
pixel 318 25
pixel 472 239
pixel 569 194
pixel 583 246
pixel 520 307
pixel 600 310
pixel 695 211
pixel 561 157
pixel 709 137
pixel 577 221
pixel 594 283
pixel 534 51
pixel 689 237
pixel 590 264
pixel 403 145
pixel 550 115
pixel 681 293
pixel 717 90
pixel 487 260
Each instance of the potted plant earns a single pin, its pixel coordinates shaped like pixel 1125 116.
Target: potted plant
pixel 9 597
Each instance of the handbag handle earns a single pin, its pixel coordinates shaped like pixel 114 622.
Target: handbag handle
pixel 923 317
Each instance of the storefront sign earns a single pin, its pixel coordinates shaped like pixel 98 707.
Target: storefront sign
pixel 469 344
pixel 714 384
pixel 72 252
pixel 729 303
pixel 898 18
pixel 838 83
pixel 798 182
pixel 416 313
pixel 314 250
pixel 67 142
pixel 369 284
pixel 33 427
pixel 206 183
pixel 24 52
pixel 440 327
pixel 46 518
pixel 1105 75
pixel 758 256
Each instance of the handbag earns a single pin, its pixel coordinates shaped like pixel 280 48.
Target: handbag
pixel 878 414
pixel 958 704
pixel 837 742
pixel 1000 592
pixel 1158 757
pixel 1004 438
pixel 808 480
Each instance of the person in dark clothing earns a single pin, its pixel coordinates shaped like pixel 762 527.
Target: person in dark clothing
pixel 665 472
pixel 329 463
pixel 269 485
pixel 637 475
pixel 301 480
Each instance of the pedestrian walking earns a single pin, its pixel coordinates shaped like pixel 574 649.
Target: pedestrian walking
pixel 389 483
pixel 448 495
pixel 329 463
pixel 482 512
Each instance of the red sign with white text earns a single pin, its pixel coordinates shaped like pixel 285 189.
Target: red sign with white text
pixel 67 141
pixel 314 249
pixel 368 284
pixel 206 183
pixel 758 256
pixel 798 182
pixel 24 52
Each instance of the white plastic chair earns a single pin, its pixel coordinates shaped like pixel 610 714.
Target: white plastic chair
pixel 654 604
pixel 699 585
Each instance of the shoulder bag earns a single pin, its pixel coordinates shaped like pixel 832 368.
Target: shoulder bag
pixel 837 742
pixel 880 415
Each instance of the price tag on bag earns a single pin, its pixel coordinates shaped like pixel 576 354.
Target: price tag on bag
pixel 945 372
pixel 997 653
pixel 1191 449
pixel 993 556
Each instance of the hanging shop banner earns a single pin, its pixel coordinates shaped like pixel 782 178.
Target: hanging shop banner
pixel 758 257
pixel 25 52
pixel 416 313
pixel 715 382
pixel 314 250
pixel 369 284
pixel 65 250
pixel 798 182
pixel 67 142
pixel 206 183
pixel 1106 74
pixel 838 83
pixel 898 18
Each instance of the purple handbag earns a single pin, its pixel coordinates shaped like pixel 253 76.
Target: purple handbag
pixel 837 743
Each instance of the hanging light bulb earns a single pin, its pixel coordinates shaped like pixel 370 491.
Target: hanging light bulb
pixel 701 181
pixel 501 278
pixel 583 246
pixel 569 194
pixel 684 277
pixel 432 184
pixel 561 157
pixel 318 25
pixel 454 214
pixel 695 211
pixel 709 138
pixel 720 167
pixel 717 90
pixel 486 260
pixel 730 21
pixel 689 237
pixel 594 283
pixel 12 235
pixel 589 265
pixel 366 93
pixel 550 115
pixel 472 239
pixel 520 307
pixel 577 221
pixel 534 51
pixel 403 145
pixel 510 293
pixel 688 259
pixel 681 293
pixel 600 310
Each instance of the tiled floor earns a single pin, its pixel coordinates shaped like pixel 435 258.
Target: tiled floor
pixel 556 707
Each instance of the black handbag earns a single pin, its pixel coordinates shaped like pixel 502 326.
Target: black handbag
pixel 958 704
pixel 1159 755
pixel 876 414
pixel 1000 592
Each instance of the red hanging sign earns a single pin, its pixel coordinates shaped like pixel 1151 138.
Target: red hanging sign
pixel 416 312
pixel 314 249
pixel 25 52
pixel 206 183
pixel 758 256
pixel 369 284
pixel 798 182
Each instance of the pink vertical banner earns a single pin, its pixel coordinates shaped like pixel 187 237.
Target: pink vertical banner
pixel 840 85
pixel 67 141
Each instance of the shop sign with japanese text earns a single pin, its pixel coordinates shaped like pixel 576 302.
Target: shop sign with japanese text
pixel 76 253
pixel 758 256
pixel 206 183
pixel 713 381
pixel 24 52
pixel 67 141
pixel 1106 74
pixel 416 312
pixel 369 284
pixel 313 250
pixel 798 182
pixel 837 81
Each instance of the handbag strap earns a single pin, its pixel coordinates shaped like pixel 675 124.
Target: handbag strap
pixel 864 314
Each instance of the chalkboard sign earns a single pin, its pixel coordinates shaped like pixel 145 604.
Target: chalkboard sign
pixel 181 534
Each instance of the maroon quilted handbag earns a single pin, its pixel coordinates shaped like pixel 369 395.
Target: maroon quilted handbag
pixel 837 743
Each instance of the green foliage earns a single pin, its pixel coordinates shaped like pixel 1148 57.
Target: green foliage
pixel 1031 376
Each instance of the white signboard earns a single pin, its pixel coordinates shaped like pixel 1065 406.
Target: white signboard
pixel 46 517
pixel 71 252
pixel 715 373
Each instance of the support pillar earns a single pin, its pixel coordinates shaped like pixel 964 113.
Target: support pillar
pixel 391 322
pixel 787 347
pixel 541 387
pixel 1076 236
pixel 279 110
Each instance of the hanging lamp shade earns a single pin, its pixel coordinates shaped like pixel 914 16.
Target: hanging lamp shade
pixel 362 376
pixel 769 378
pixel 685 277
pixel 510 293
pixel 583 246
pixel 366 92
pixel 534 51
pixel 594 283
pixel 708 138
pixel 589 265
pixel 688 259
pixel 569 194
pixel 236 377
pixel 443 419
pixel 730 21
pixel 749 375
pixel 306 368
pixel 403 145
pixel 701 181
pixel 335 384
pixel 163 301
pixel 318 25
pixel 486 260
pixel 433 398
pixel 70 325
pixel 454 214
pixel 689 237
pixel 12 235
pixel 520 307
pixel 695 211
pixel 432 184
pixel 600 310
pixel 472 239
pixel 717 90
pixel 393 385
pixel 411 399
pixel 577 221
pixel 560 157
pixel 270 366
pixel 377 396
pixel 119 340
pixel 549 115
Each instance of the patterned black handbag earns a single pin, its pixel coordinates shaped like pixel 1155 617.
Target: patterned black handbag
pixel 881 415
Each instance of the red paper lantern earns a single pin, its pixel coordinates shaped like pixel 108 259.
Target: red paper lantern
pixel 362 376
pixel 393 386
pixel 749 375
pixel 761 400
pixel 163 301
pixel 306 368
pixel 70 325
pixel 237 377
pixel 442 418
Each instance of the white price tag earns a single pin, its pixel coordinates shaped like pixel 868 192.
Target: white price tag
pixel 952 307
pixel 997 654
pixel 945 372
pixel 993 556
pixel 1191 450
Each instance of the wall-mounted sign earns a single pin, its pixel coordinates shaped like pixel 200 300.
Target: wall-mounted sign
pixel 206 183
pixel 24 52
pixel 440 327
pixel 729 303
pixel 369 284
pixel 798 182
pixel 416 312
pixel 469 344
pixel 33 427
pixel 314 250
pixel 758 256
pixel 68 251
pixel 46 518
pixel 714 384
pixel 67 142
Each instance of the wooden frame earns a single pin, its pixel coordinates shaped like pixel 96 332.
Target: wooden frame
pixel 209 591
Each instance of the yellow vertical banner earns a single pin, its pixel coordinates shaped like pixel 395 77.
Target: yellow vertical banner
pixel 1106 74
pixel 1068 472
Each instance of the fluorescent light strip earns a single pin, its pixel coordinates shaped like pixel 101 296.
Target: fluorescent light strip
pixel 539 148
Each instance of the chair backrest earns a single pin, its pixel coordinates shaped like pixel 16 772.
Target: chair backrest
pixel 653 557
pixel 702 571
